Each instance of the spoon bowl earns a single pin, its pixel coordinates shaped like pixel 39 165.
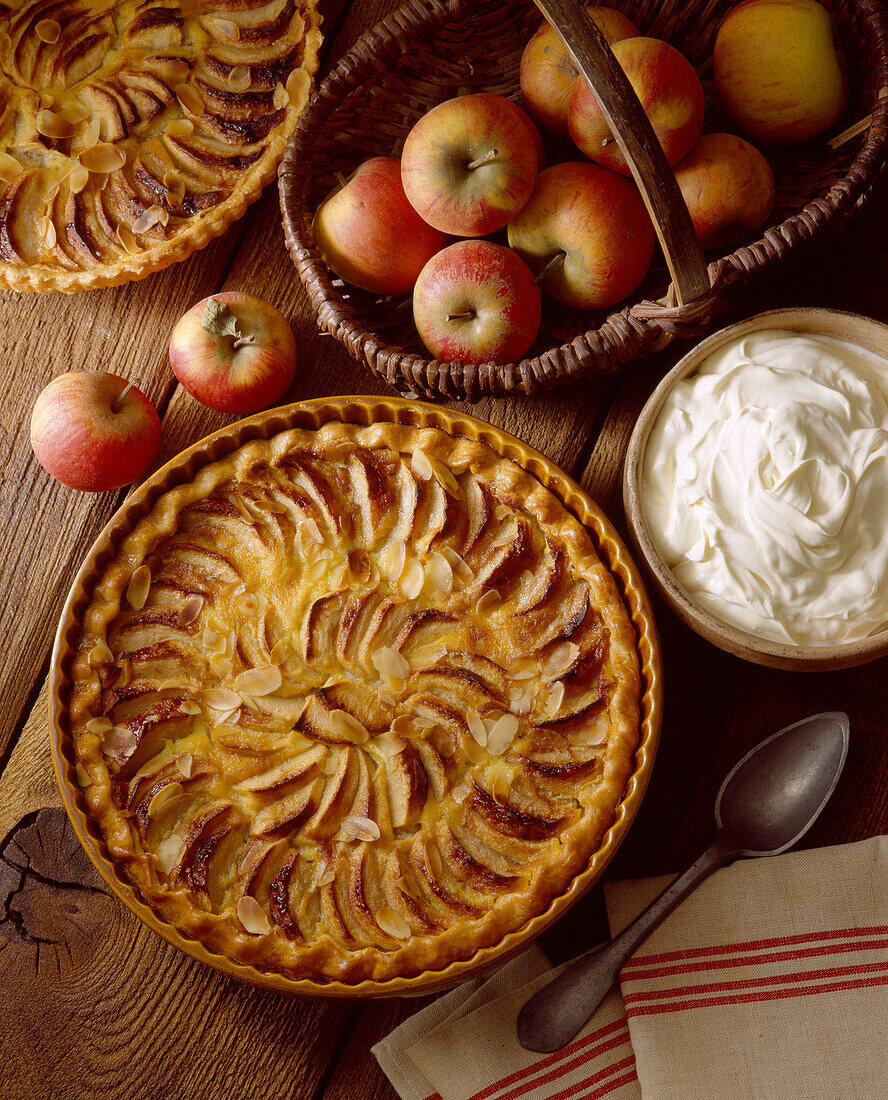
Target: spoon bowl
pixel 772 797
pixel 767 802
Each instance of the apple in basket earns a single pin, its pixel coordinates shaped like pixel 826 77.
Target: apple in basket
pixel 547 74
pixel 94 431
pixel 728 187
pixel 368 233
pixel 778 70
pixel 669 91
pixel 233 352
pixel 468 165
pixel 477 302
pixel 588 232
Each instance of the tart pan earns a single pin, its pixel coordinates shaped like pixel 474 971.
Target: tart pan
pixel 312 414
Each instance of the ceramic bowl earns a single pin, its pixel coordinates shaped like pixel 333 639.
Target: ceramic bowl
pixel 312 414
pixel 853 328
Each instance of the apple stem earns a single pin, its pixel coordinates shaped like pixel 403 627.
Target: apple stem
pixel 556 261
pixel 120 399
pixel 240 341
pixel 492 154
pixel 342 179
pixel 466 315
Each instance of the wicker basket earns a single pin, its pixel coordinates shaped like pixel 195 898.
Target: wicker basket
pixel 431 50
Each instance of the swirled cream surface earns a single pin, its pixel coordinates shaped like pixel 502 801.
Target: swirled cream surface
pixel 765 485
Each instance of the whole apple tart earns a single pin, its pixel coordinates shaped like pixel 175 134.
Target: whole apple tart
pixel 132 132
pixel 355 701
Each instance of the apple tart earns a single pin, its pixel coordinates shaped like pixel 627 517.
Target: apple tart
pixel 134 131
pixel 354 702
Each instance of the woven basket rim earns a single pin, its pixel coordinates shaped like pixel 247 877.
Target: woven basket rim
pixel 643 326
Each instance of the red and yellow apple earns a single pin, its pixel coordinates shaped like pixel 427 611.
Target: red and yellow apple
pixel 233 352
pixel 588 231
pixel 94 431
pixel 476 301
pixel 779 70
pixel 468 165
pixel 368 233
pixel 728 187
pixel 669 91
pixel 547 73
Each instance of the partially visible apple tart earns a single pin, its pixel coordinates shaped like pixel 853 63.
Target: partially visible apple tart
pixel 134 131
pixel 355 701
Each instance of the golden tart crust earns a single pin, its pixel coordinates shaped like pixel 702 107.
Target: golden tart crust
pixel 132 132
pixel 355 701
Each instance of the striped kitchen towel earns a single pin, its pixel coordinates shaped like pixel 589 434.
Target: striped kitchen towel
pixel 769 982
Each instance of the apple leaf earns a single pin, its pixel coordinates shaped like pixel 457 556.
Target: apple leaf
pixel 219 320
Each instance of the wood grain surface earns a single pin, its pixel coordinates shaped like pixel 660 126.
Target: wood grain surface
pixel 93 1005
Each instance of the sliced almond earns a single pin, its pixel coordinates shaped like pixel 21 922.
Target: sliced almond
pixel 390 662
pixel 173 70
pixel 83 776
pixel 281 651
pixel 330 765
pixel 164 795
pixel 259 681
pixel 126 673
pixel 99 726
pixel 280 99
pixel 75 112
pixel 433 861
pixel 412 579
pixel 127 238
pixel 461 570
pixel 137 589
pixel 190 707
pixel 190 100
pixel 507 535
pixel 78 179
pixel 253 917
pixel 221 699
pixel 170 853
pixel 9 167
pixel 561 658
pixel 439 574
pixel 501 734
pixel 393 924
pixel 390 744
pixel 298 87
pixel 240 78
pixel 184 762
pixel 403 725
pixel 100 654
pixel 103 158
pixel 428 656
pixel 554 699
pixel 310 528
pixel 524 669
pixel 180 128
pixel 445 478
pixel 500 785
pixel 190 611
pixel 48 233
pixel 359 828
pixel 392 559
pixel 460 793
pixel 226 29
pixel 490 600
pixel 477 728
pixel 521 700
pixel 52 125
pixel 349 727
pixel 89 135
pixel 420 465
pixel 48 30
pixel 409 887
pixel 324 875
pixel 147 219
pixel 120 743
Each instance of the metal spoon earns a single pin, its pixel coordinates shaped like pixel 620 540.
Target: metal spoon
pixel 768 801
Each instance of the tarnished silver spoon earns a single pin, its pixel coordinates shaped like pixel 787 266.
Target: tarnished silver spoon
pixel 768 801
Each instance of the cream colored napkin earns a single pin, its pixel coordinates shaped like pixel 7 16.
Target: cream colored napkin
pixel 770 982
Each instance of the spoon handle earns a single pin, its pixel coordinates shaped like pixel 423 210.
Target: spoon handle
pixel 552 1017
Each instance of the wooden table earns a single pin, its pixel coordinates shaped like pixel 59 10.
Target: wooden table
pixel 94 1005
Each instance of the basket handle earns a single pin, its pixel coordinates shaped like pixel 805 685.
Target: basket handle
pixel 592 56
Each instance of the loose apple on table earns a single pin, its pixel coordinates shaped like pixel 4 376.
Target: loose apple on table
pixel 469 164
pixel 234 352
pixel 476 301
pixel 547 74
pixel 94 431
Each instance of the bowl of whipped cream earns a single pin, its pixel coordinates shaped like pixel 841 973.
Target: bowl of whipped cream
pixel 756 488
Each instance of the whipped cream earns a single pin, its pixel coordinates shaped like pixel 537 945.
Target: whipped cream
pixel 765 485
